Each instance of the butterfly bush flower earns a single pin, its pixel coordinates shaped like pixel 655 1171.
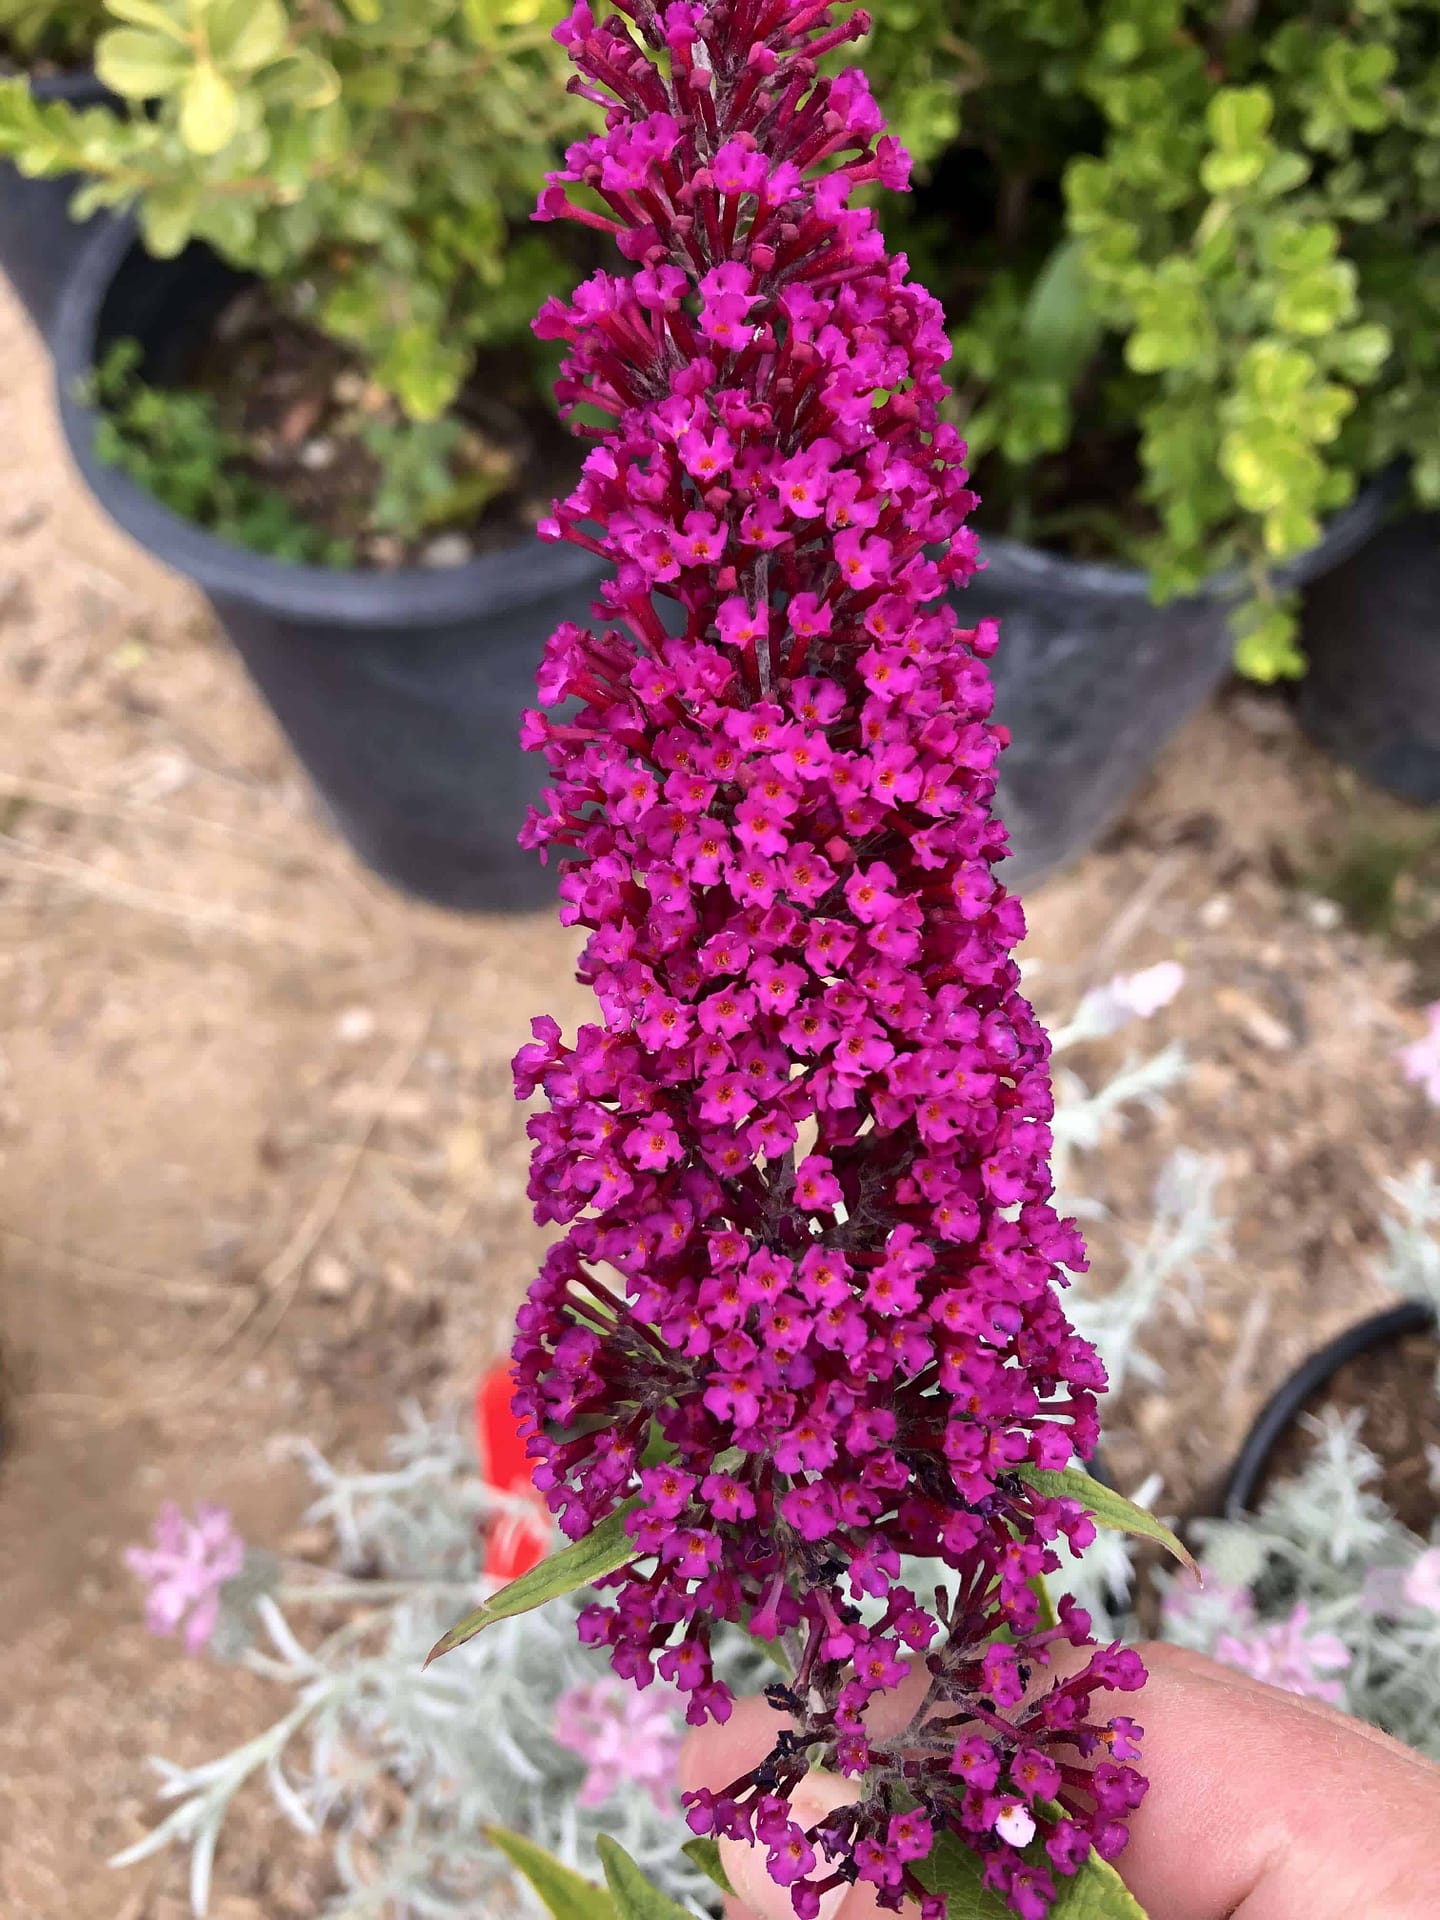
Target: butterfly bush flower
pixel 184 1568
pixel 803 1319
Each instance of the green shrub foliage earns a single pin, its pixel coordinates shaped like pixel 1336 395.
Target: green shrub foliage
pixel 378 159
pixel 64 31
pixel 1232 209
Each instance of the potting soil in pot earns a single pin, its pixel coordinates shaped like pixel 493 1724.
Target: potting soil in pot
pixel 265 431
pixel 1393 1386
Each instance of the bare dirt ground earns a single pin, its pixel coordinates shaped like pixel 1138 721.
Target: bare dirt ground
pixel 260 1172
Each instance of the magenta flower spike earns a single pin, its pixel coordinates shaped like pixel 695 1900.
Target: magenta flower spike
pixel 801 1160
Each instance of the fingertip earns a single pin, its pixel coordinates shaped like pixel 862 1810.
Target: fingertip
pixel 719 1752
pixel 1259 1795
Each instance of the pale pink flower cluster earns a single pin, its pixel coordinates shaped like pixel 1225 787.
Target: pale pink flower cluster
pixel 1422 1581
pixel 1126 997
pixel 622 1736
pixel 185 1568
pixel 1420 1061
pixel 1288 1655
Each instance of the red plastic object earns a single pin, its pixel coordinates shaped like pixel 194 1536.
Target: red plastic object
pixel 518 1540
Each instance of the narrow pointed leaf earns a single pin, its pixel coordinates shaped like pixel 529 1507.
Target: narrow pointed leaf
pixel 605 1549
pixel 634 1896
pixel 705 1854
pixel 566 1894
pixel 1048 1616
pixel 1107 1508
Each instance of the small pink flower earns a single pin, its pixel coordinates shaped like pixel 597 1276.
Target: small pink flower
pixel 737 623
pixel 1420 1061
pixel 622 1736
pixel 1145 992
pixel 1289 1656
pixel 816 1188
pixel 653 1144
pixel 1422 1581
pixel 1130 996
pixel 185 1569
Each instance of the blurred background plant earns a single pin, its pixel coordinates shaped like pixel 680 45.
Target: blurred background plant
pixel 1198 287
pixel 371 158
pixel 174 445
pixel 1325 1589
pixel 374 164
pixel 405 1767
pixel 1161 1269
pixel 62 31
pixel 1325 1592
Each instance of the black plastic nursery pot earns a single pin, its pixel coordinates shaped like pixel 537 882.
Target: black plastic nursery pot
pixel 1310 1378
pixel 400 692
pixel 39 242
pixel 1093 678
pixel 1371 695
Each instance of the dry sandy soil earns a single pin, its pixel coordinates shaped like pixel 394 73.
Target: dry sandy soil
pixel 260 1172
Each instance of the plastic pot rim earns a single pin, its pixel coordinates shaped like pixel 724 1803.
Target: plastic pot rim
pixel 420 597
pixel 1013 565
pixel 76 86
pixel 436 596
pixel 1314 1372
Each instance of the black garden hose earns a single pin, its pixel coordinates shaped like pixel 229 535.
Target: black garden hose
pixel 1281 1409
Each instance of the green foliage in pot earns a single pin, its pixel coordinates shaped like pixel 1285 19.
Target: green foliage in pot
pixel 1214 225
pixel 376 158
pixel 63 31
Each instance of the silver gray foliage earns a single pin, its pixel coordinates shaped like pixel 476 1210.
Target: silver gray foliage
pixel 404 1767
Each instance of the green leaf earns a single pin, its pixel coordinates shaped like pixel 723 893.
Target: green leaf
pixel 1265 642
pixel 1315 303
pixel 245 34
pixel 634 1896
pixel 141 66
pixel 1096 1892
pixel 605 1549
pixel 300 79
pixel 1062 329
pixel 209 110
pixel 1048 1616
pixel 1288 529
pixel 565 1893
pixel 150 13
pixel 1106 1507
pixel 1360 352
pixel 705 1854
pixel 167 219
pixel 1238 119
pixel 953 1869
